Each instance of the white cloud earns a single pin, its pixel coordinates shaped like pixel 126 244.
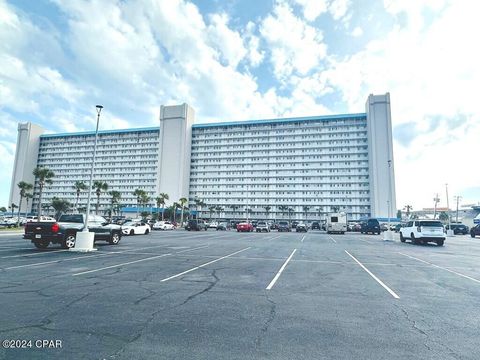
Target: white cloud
pixel 255 55
pixel 312 9
pixel 429 74
pixel 226 41
pixel 295 46
pixel 339 8
pixel 357 32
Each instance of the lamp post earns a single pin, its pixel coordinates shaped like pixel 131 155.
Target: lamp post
pixel 85 239
pixel 436 199
pixel 457 199
pixel 388 235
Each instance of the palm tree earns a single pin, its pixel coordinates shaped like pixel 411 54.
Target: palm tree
pixel 305 210
pixel 407 209
pixel 60 206
pixel 162 197
pixel 99 186
pixel 28 196
pixel 115 196
pixel 218 209
pixel 267 210
pixel 3 209
pixel 283 209
pixel 79 186
pixel 183 201
pixel 198 206
pixel 144 200
pixel 139 193
pixel 211 209
pixel 320 210
pixel 234 210
pixel 13 207
pixel 44 176
pixel 290 212
pixel 24 187
pixel 335 208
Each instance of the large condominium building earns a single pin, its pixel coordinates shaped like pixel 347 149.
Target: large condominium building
pixel 296 167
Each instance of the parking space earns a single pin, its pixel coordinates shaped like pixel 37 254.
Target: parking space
pixel 231 295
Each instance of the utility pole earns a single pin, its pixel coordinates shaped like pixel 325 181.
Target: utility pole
pixel 449 231
pixel 457 198
pixel 436 199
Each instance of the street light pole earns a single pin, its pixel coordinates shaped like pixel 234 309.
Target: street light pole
pixel 85 240
pixel 449 231
pixel 436 200
pixel 92 168
pixel 388 235
pixel 457 198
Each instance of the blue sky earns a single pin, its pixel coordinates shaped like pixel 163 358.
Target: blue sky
pixel 244 59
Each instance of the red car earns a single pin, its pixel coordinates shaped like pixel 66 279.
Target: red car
pixel 244 227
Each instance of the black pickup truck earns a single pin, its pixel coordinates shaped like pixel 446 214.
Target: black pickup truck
pixel 64 231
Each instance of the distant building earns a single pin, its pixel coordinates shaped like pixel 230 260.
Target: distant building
pixel 310 165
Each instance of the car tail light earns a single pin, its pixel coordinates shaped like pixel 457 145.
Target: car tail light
pixel 419 228
pixel 55 228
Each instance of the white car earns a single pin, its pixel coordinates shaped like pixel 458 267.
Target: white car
pixel 423 231
pixel 135 228
pixel 163 225
pixel 213 225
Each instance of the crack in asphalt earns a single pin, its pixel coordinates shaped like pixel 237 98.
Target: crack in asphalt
pixel 210 286
pixel 140 332
pixel 424 333
pixel 271 316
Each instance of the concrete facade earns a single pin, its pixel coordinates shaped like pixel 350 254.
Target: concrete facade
pixel 256 168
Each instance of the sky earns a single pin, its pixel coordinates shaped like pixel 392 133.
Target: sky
pixel 250 59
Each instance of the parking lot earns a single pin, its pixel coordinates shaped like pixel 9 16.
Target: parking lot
pixel 229 295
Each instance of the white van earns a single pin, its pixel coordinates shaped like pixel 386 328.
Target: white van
pixel 337 223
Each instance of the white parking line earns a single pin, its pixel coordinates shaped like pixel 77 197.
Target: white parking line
pixel 91 256
pixel 203 265
pixel 136 261
pixel 274 280
pixel 273 238
pixel 373 276
pixel 33 254
pixel 441 267
pixel 303 238
pixel 331 238
pixel 119 265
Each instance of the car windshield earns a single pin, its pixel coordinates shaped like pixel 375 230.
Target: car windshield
pixel 283 223
pixel 431 224
pixel 72 219
pixel 261 223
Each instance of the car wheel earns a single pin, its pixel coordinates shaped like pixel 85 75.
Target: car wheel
pixel 114 239
pixel 440 242
pixel 41 244
pixel 414 239
pixel 402 239
pixel 132 232
pixel 472 235
pixel 146 231
pixel 69 241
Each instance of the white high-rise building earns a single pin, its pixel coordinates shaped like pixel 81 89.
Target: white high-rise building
pixel 297 167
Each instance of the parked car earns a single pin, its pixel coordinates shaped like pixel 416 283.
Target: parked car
pixel 135 228
pixel 301 227
pixel 244 227
pixel 458 229
pixel 223 226
pixel 262 226
pixel 64 232
pixel 475 231
pixel 273 226
pixel 196 225
pixel 163 225
pixel 315 225
pixel 398 227
pixel 423 231
pixel 370 226
pixel 213 225
pixel 294 224
pixel 284 226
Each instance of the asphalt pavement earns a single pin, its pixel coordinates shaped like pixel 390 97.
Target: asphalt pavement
pixel 228 295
